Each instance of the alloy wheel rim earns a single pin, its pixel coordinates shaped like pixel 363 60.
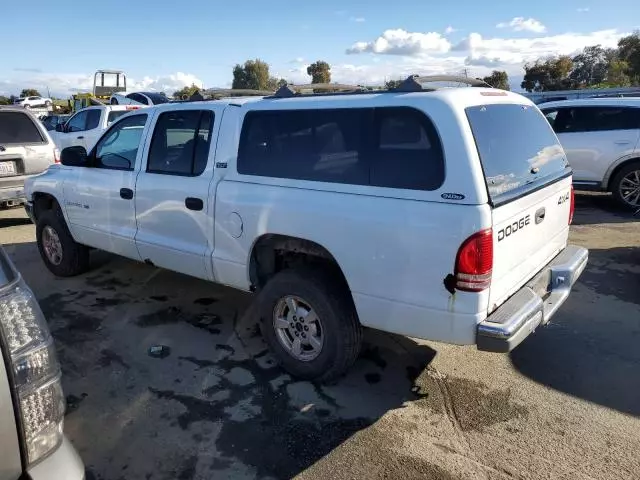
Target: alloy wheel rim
pixel 298 328
pixel 630 188
pixel 52 245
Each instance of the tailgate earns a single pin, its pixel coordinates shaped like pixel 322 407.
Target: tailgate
pixel 529 185
pixel 527 234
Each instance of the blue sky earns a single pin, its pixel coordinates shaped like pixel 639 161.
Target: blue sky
pixel 167 44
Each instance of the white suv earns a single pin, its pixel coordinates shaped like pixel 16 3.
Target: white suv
pixel 601 137
pixel 440 214
pixel 34 101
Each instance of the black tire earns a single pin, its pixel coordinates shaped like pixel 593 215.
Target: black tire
pixel 114 101
pixel 75 257
pixel 331 301
pixel 47 103
pixel 617 180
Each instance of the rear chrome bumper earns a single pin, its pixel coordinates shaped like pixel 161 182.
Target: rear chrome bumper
pixel 534 304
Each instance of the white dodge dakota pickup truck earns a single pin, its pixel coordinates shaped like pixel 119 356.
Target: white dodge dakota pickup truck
pixel 440 214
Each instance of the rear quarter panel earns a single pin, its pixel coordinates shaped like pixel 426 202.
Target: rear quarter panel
pixel 395 247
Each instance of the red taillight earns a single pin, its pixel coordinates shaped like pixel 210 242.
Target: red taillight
pixel 474 262
pixel 572 206
pixel 56 155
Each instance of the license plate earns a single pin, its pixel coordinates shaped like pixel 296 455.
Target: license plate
pixel 7 168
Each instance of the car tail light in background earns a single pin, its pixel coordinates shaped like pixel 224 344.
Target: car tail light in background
pixel 34 369
pixel 56 155
pixel 474 262
pixel 572 206
pixel 132 107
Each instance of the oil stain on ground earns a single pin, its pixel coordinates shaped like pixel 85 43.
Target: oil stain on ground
pixel 170 315
pixel 477 407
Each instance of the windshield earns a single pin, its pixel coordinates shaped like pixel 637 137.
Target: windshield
pixel 517 147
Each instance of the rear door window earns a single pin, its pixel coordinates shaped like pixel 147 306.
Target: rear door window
pixel 93 119
pixel 17 127
pixel 595 119
pixel 517 148
pixel 180 143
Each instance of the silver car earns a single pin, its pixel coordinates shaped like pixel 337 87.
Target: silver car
pixel 25 149
pixel 32 405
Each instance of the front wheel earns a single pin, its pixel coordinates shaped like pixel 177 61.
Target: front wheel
pixel 114 101
pixel 47 103
pixel 625 186
pixel 310 324
pixel 59 251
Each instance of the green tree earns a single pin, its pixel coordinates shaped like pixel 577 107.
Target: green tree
pixel 547 74
pixel 320 72
pixel 186 92
pixel 498 79
pixel 5 100
pixel 590 67
pixel 617 74
pixel 30 92
pixel 629 52
pixel 391 84
pixel 275 83
pixel 254 75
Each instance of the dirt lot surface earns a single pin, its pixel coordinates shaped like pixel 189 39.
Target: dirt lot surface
pixel 564 405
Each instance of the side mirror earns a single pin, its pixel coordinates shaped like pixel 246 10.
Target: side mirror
pixel 60 127
pixel 75 156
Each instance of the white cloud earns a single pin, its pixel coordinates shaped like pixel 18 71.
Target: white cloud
pixel 520 24
pixel 358 19
pixel 521 50
pixel 297 60
pixel 583 9
pixel 64 84
pixel 398 57
pixel 449 30
pixel 401 42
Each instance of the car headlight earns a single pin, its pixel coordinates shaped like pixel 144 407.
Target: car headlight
pixel 35 370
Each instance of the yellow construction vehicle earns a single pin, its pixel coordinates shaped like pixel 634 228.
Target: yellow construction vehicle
pixel 105 84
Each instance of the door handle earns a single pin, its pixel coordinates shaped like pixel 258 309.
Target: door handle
pixel 193 203
pixel 80 137
pixel 126 193
pixel 622 142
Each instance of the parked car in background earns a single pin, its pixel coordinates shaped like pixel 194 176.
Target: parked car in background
pixel 85 126
pixel 50 122
pixel 32 403
pixel 438 214
pixel 601 137
pixel 31 102
pixel 138 98
pixel 25 149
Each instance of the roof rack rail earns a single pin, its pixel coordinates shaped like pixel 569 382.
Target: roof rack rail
pixel 218 93
pixel 413 83
pixel 290 90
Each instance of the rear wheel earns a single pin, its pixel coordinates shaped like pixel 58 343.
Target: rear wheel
pixel 47 103
pixel 310 324
pixel 60 253
pixel 625 186
pixel 114 101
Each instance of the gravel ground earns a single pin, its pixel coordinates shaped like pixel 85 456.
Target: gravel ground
pixel 564 405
